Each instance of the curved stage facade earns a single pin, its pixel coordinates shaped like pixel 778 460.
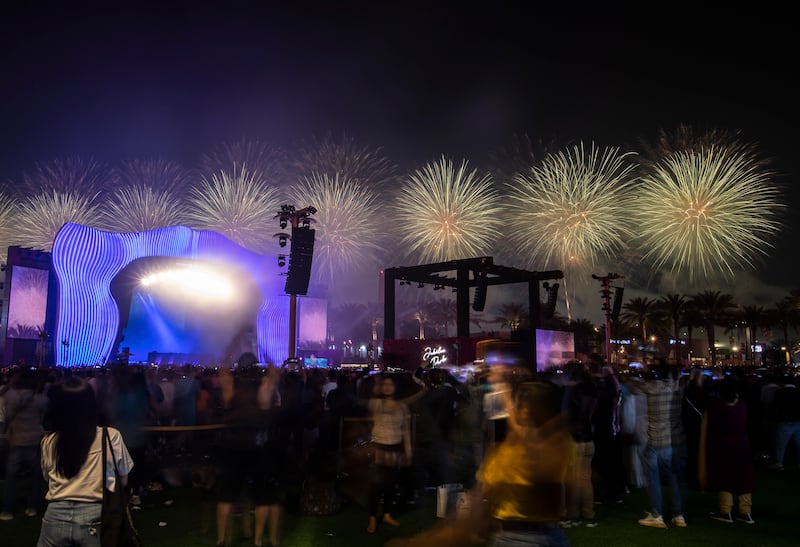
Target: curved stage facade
pixel 87 261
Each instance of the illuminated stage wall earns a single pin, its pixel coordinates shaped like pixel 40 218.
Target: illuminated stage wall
pixel 86 261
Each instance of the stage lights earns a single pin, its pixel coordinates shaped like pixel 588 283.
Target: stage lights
pixel 281 261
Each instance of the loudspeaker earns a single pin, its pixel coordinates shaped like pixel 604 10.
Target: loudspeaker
pixel 302 252
pixel 617 303
pixel 479 299
pixel 549 308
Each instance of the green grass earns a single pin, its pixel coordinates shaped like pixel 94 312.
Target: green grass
pixel 184 517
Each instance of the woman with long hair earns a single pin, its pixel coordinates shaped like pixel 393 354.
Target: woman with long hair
pixel 72 464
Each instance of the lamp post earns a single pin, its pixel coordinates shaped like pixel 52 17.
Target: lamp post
pixel 605 291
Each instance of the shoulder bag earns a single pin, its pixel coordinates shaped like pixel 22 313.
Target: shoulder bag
pixel 116 526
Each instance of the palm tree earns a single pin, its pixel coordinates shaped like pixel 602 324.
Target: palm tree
pixel 513 316
pixel 714 306
pixel 785 314
pixel 753 317
pixel 585 335
pixel 375 312
pixel 420 315
pixel 442 312
pixel 673 305
pixel 636 312
pixel 690 319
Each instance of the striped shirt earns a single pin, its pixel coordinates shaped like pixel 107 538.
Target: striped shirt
pixel 664 427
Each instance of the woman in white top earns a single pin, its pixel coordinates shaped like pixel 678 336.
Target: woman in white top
pixel 391 438
pixel 73 469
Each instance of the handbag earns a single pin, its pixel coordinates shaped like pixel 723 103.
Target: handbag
pixel 116 521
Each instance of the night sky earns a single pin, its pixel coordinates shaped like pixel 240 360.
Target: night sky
pixel 174 79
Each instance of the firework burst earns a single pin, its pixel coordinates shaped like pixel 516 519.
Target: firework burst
pixel 8 227
pixel 256 156
pixel 71 176
pixel 139 208
pixel 705 214
pixel 347 224
pixel 360 163
pixel 447 213
pixel 240 205
pixel 571 209
pixel 41 217
pixel 158 174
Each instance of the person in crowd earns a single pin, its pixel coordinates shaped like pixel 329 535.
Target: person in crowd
pixel 517 496
pixel 727 459
pixel 435 415
pixel 187 389
pixel 249 453
pixel 633 435
pixel 785 414
pixel 692 411
pixel 607 460
pixel 391 440
pixel 580 402
pixel 72 463
pixel 25 406
pixel 132 409
pixel 665 453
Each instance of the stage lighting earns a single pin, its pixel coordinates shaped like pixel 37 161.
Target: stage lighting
pixel 281 261
pixel 283 223
pixel 282 241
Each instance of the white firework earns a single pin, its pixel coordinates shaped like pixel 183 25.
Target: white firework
pixel 270 162
pixel 238 204
pixel 447 213
pixel 71 176
pixel 345 157
pixel 140 207
pixel 347 224
pixel 8 225
pixel 571 209
pixel 42 216
pixel 707 213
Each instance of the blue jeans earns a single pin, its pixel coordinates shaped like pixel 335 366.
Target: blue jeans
pixel 75 523
pixel 19 458
pixel 521 538
pixel 660 462
pixel 785 432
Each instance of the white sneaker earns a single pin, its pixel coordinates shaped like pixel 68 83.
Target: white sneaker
pixel 6 516
pixel 653 522
pixel 679 521
pixel 30 512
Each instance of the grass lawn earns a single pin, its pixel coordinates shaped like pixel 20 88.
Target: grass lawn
pixel 184 517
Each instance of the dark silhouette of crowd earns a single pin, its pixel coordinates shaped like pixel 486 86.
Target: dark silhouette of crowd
pixel 268 439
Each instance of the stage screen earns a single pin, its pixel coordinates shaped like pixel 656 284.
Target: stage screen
pixel 27 302
pixel 553 348
pixel 313 323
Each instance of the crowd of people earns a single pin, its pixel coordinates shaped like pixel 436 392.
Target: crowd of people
pixel 537 452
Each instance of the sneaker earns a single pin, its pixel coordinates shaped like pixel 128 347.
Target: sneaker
pixel 30 512
pixel 679 521
pixel 775 466
pixel 746 518
pixel 6 516
pixel 722 517
pixel 592 524
pixel 653 522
